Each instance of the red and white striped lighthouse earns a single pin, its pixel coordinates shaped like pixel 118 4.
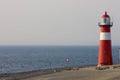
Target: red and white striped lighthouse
pixel 105 49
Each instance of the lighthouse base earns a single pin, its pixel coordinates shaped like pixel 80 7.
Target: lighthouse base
pixel 103 65
pixel 105 53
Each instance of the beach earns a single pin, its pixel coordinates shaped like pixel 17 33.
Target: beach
pixel 71 73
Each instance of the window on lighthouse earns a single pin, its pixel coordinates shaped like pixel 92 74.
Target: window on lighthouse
pixel 103 20
pixel 106 20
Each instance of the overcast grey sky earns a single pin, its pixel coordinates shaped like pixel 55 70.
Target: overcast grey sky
pixel 56 22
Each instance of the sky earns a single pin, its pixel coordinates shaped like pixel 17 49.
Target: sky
pixel 56 22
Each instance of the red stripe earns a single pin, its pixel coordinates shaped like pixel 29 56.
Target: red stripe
pixel 104 29
pixel 105 53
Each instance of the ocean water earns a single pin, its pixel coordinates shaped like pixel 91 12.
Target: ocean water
pixel 28 58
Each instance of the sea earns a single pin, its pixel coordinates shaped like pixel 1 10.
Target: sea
pixel 14 59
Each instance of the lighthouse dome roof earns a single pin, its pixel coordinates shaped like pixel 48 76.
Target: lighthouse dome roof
pixel 105 15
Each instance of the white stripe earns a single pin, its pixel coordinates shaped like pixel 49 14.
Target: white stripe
pixel 105 36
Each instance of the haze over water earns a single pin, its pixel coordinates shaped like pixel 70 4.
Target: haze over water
pixel 56 22
pixel 29 58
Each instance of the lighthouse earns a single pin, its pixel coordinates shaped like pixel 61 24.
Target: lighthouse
pixel 105 47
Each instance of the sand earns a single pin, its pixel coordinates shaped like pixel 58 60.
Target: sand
pixel 76 73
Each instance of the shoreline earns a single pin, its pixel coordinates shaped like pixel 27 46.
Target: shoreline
pixel 27 74
pixel 38 73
